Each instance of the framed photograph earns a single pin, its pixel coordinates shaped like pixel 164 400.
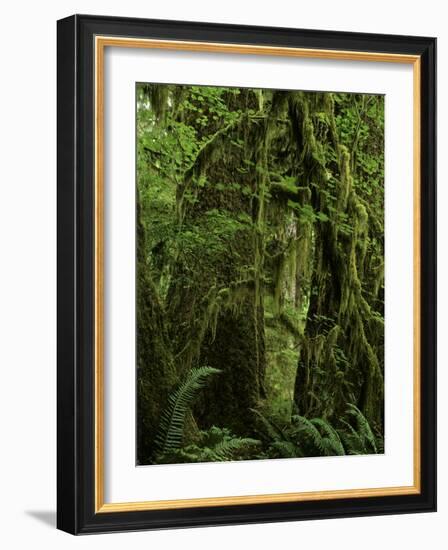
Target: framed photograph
pixel 246 274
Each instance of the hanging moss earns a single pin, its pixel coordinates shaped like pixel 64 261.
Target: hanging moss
pixel 158 96
pixel 272 224
pixel 216 305
pixel 342 331
pixel 156 374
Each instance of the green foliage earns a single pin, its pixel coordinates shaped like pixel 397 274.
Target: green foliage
pixel 171 428
pixel 213 445
pixel 318 437
pixel 262 243
pixel 302 437
pixel 359 439
pixel 283 331
pixel 306 213
pixel 360 123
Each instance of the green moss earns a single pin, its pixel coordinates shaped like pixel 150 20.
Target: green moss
pixel 332 356
pixel 155 367
pixel 262 256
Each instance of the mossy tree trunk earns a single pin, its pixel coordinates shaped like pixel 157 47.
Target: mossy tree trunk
pixel 339 360
pixel 156 375
pixel 216 308
pixel 254 205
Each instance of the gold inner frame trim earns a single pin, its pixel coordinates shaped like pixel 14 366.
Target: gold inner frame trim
pixel 101 42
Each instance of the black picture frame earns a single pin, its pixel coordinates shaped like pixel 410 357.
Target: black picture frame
pixel 76 512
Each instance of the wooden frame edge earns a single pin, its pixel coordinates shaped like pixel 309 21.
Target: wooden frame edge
pixel 417 270
pixel 255 499
pixel 100 507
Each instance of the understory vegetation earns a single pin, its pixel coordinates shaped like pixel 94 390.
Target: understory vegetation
pixel 260 274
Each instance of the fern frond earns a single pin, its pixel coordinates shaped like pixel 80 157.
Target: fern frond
pixel 273 432
pixel 228 448
pixel 331 442
pixel 287 449
pixel 364 429
pixel 171 427
pixel 351 440
pixel 310 430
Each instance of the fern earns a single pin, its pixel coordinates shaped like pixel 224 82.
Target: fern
pixel 317 437
pixel 360 440
pixel 330 442
pixel 171 427
pixel 324 438
pixel 272 432
pixel 286 449
pixel 303 437
pixel 363 426
pixel 228 449
pixel 302 424
pixel 351 439
pixel 215 445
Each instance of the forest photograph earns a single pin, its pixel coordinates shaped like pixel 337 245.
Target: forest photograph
pixel 259 274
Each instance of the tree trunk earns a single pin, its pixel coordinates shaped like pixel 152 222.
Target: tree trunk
pixel 216 305
pixel 340 358
pixel 155 369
